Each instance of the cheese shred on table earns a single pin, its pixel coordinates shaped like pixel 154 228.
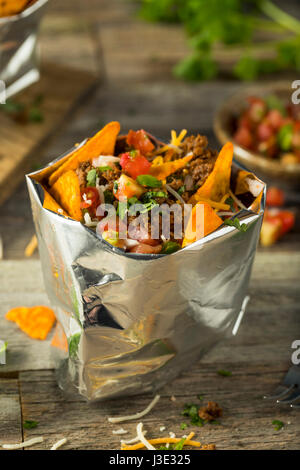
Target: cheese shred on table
pixel 137 415
pixel 30 442
pixel 164 440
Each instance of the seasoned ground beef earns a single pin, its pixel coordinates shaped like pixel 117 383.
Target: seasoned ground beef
pixel 210 412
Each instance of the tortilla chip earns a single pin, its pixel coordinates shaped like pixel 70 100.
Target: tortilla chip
pixel 35 321
pixel 66 191
pixel 103 143
pixel 218 182
pixel 51 204
pixel 199 227
pixel 166 169
pixel 12 7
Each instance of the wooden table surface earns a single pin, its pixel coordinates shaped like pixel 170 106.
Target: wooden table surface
pixel 136 87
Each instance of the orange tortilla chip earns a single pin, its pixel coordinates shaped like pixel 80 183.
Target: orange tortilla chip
pixel 201 225
pixel 103 143
pixel 35 321
pixel 66 191
pixel 51 204
pixel 164 170
pixel 12 7
pixel 218 182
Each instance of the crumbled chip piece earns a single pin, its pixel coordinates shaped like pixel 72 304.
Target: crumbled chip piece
pixel 35 321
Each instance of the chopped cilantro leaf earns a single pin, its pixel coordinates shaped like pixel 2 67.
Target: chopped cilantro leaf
pixel 108 196
pixel 224 373
pixel 181 190
pixel 183 426
pixel 104 168
pixel 91 178
pixel 170 247
pixel 277 424
pixel 236 223
pixel 180 444
pixel 29 424
pixel 149 180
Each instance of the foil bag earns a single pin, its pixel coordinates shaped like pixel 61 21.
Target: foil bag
pixel 133 322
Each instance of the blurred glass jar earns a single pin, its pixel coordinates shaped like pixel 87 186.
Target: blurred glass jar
pixel 19 58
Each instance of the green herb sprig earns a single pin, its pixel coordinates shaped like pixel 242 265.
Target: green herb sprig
pixel 235 25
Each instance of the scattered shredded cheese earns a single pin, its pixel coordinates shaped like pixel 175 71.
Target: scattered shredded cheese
pixel 104 160
pixel 174 193
pixel 120 431
pixel 162 428
pixel 139 430
pixel 137 415
pixel 165 440
pixel 88 221
pixel 59 443
pixel 172 434
pixel 238 202
pixel 132 441
pixel 30 442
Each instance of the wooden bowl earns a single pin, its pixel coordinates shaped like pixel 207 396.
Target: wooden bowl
pixel 271 171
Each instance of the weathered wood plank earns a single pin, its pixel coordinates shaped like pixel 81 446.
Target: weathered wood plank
pixel 246 423
pixel 10 411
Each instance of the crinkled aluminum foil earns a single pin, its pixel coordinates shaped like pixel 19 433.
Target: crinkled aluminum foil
pixel 133 321
pixel 18 48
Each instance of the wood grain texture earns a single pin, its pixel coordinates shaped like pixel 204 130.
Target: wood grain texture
pixel 246 422
pixel 61 89
pixel 10 412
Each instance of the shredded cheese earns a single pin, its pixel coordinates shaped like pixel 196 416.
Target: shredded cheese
pixel 139 430
pixel 238 202
pixel 165 440
pixel 132 441
pixel 137 415
pixel 88 221
pixel 30 442
pixel 59 443
pixel 162 428
pixel 120 431
pixel 214 204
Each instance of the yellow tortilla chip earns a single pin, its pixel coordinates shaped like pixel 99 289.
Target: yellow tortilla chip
pixel 12 7
pixel 51 204
pixel 197 229
pixel 103 143
pixel 218 182
pixel 66 191
pixel 164 170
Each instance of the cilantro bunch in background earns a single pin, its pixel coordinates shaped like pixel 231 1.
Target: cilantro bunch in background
pixel 235 24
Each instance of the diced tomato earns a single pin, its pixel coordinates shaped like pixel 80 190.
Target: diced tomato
pixel 287 220
pixel 127 187
pixel 270 231
pixel 257 109
pixel 243 137
pixel 89 198
pixel 275 197
pixel 140 141
pixel 264 131
pixel 140 233
pixel 275 118
pixel 135 164
pixel 146 249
